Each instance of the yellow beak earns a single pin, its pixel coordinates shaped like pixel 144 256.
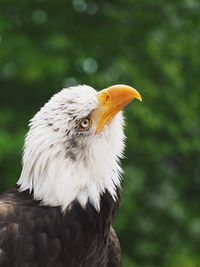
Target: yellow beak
pixel 110 101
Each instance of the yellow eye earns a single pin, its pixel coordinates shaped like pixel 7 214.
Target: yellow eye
pixel 85 124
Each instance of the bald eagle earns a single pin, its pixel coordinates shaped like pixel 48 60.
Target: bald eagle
pixel 61 210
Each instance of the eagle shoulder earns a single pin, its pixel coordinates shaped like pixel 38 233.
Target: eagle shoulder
pixel 26 232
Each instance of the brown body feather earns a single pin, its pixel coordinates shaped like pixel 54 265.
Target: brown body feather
pixel 33 235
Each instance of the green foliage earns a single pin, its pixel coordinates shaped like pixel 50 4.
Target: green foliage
pixel 152 45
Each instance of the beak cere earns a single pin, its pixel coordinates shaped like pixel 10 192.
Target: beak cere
pixel 110 101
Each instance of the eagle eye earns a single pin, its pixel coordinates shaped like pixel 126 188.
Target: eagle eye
pixel 85 124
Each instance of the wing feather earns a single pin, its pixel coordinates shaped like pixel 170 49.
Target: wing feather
pixel 114 250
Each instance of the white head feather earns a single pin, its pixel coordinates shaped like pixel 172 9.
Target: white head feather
pixel 60 163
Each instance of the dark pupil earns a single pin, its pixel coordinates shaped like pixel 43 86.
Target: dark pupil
pixel 85 122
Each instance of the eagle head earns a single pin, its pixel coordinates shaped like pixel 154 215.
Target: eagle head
pixel 74 145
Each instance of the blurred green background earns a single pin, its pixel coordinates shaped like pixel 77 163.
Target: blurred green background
pixel 151 45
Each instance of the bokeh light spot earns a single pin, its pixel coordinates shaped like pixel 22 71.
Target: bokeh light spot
pixel 9 69
pixel 90 65
pixel 92 8
pixel 39 16
pixel 79 5
pixel 69 81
